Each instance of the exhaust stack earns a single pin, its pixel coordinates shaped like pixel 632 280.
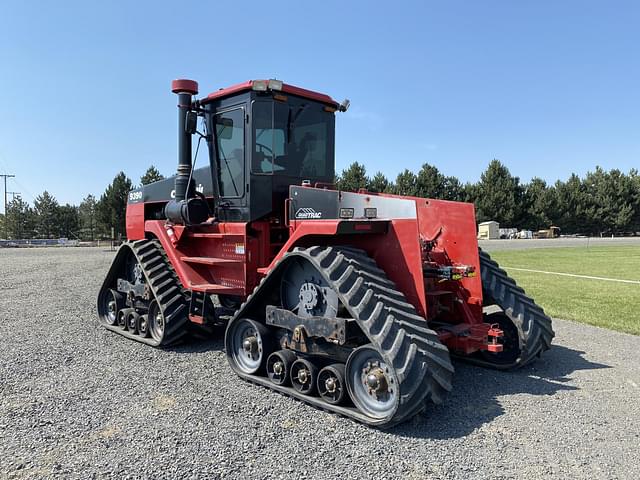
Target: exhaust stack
pixel 185 89
pixel 181 209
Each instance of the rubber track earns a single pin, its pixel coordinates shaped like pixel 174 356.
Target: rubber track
pixel 164 284
pixel 534 326
pixel 422 365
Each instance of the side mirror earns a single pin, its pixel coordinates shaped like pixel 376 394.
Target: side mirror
pixel 191 122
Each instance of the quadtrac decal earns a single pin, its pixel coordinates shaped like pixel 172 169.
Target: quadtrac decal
pixel 307 213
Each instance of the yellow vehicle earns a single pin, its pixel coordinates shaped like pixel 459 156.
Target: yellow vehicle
pixel 551 232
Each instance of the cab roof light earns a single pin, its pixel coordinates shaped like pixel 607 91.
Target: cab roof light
pixel 259 85
pixel 274 84
pixel 264 85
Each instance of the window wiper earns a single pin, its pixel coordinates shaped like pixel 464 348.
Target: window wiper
pixel 224 157
pixel 291 121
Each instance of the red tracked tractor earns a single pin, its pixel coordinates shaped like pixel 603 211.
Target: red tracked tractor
pixel 352 302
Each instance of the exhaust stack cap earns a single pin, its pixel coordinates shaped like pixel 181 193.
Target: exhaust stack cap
pixel 182 85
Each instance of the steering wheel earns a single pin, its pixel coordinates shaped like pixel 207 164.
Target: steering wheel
pixel 262 148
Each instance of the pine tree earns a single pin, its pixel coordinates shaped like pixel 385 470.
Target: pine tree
pixel 430 182
pixel 379 183
pixel 499 196
pixel 609 198
pixel 634 178
pixel 20 219
pixel 151 175
pixel 68 221
pixel 571 215
pixel 540 204
pixel 111 210
pixel 406 184
pixel 353 178
pixel 47 210
pixel 453 189
pixel 87 214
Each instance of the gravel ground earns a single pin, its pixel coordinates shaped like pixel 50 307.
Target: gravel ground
pixel 80 402
pixel 492 245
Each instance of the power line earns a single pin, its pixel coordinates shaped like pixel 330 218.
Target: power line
pixel 25 189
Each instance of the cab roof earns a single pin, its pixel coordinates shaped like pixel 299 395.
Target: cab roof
pixel 286 88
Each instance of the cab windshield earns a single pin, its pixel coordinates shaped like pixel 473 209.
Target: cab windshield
pixel 292 139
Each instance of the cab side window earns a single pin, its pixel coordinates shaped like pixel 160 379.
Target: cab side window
pixel 230 138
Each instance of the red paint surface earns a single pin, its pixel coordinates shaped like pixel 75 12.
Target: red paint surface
pixel 184 85
pixel 225 242
pixel 291 89
pixel 135 221
pixel 230 258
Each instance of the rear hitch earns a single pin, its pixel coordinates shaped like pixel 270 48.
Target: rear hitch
pixel 493 335
pixel 466 339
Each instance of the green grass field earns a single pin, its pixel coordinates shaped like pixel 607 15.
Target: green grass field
pixel 596 302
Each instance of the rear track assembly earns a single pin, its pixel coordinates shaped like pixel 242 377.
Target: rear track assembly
pixel 528 330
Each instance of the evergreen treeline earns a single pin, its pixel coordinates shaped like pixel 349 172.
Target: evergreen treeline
pixel 91 220
pixel 603 202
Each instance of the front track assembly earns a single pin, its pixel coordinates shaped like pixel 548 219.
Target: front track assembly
pixel 388 361
pixel 141 297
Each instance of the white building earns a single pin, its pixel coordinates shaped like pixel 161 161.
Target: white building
pixel 489 230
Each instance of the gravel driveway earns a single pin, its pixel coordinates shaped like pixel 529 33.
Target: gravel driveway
pixel 79 402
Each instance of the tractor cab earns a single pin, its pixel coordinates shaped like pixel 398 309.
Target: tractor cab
pixel 263 137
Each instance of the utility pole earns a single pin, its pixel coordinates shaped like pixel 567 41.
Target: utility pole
pixel 5 176
pixel 13 197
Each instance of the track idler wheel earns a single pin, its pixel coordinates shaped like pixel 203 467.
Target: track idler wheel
pixel 143 325
pixel 304 376
pixel 123 316
pixel 371 383
pixel 115 303
pixel 331 384
pixel 279 366
pixel 156 322
pixel 249 344
pixel 132 321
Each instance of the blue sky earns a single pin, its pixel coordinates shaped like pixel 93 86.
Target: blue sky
pixel 549 87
